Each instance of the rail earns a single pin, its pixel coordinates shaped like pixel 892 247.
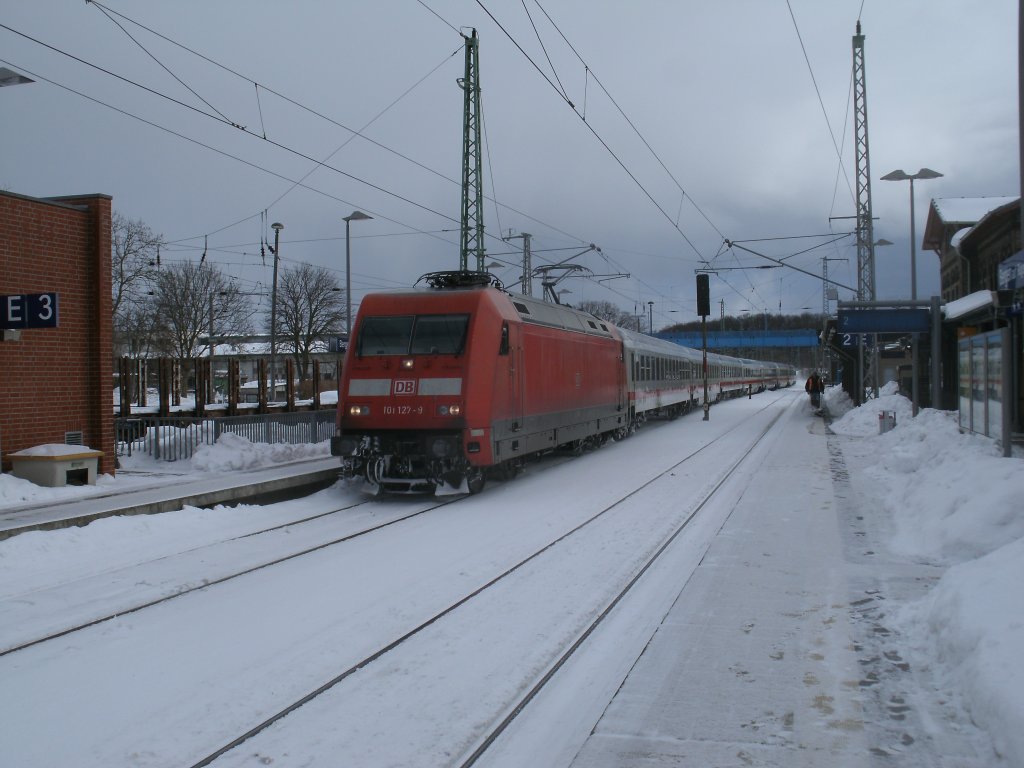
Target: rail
pixel 172 438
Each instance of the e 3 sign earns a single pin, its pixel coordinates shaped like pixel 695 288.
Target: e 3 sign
pixel 28 310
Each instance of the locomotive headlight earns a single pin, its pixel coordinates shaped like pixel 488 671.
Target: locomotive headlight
pixel 449 410
pixel 359 410
pixel 407 363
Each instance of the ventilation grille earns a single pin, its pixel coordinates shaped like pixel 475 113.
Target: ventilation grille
pixel 72 438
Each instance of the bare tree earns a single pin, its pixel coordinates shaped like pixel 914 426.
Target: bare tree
pixel 133 259
pixel 135 329
pixel 607 311
pixel 133 264
pixel 193 303
pixel 310 306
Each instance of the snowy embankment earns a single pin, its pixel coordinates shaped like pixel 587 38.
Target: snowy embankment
pixel 954 501
pixel 230 453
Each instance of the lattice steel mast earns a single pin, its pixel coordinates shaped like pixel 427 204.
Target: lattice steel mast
pixel 865 229
pixel 472 241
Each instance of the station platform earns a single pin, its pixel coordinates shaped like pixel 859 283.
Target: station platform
pixel 149 493
pixel 784 647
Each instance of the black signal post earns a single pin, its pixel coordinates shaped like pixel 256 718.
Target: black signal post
pixel 704 309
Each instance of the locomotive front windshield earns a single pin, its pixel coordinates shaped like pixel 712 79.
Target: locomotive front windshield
pixel 413 335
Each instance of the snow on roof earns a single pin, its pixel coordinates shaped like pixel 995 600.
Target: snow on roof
pixel 968 210
pixel 970 303
pixel 958 236
pixel 53 449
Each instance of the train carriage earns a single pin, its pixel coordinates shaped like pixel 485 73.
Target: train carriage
pixel 445 383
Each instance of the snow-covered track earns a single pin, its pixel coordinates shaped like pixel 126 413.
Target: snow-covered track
pixel 107 610
pixel 514 706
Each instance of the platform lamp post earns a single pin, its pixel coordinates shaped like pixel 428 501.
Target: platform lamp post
pixel 924 173
pixel 277 227
pixel 354 216
pixel 876 352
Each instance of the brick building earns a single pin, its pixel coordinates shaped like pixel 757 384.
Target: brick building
pixel 55 382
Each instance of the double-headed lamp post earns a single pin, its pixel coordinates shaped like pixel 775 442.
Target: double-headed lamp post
pixel 924 173
pixel 354 216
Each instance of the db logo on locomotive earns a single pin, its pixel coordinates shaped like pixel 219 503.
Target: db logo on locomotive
pixel 405 386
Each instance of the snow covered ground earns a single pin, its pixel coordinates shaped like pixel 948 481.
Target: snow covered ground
pixel 954 503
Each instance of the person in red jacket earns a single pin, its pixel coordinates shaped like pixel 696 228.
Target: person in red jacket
pixel 814 387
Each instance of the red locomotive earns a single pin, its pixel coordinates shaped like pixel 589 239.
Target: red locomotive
pixel 442 384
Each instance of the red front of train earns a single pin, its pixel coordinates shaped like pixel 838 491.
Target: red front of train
pixel 440 385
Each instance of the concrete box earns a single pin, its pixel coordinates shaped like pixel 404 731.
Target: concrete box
pixel 57 471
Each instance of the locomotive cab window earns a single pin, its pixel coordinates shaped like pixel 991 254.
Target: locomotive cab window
pixel 417 335
pixel 439 334
pixel 385 335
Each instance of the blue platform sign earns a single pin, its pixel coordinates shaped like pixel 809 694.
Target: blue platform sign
pixel 28 310
pixel 884 321
pixel 1011 272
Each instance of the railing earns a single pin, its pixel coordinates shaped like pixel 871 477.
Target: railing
pixel 170 438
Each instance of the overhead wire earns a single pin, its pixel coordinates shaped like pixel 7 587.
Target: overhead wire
pixel 191 90
pixel 332 120
pixel 210 147
pixel 593 131
pixel 257 85
pixel 817 91
pixel 590 73
pixel 243 129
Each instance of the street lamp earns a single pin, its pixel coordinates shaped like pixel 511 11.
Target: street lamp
pixel 924 173
pixel 354 216
pixel 273 312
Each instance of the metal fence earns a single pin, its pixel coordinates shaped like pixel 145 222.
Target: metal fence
pixel 170 438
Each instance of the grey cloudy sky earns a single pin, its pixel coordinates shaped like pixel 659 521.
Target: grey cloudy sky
pixel 721 91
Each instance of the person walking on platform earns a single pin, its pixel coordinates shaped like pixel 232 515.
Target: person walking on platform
pixel 814 387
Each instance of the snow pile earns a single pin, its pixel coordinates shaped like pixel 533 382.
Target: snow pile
pixel 956 501
pixel 232 452
pixel 863 421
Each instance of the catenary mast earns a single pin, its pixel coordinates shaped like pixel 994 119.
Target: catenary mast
pixel 867 364
pixel 472 241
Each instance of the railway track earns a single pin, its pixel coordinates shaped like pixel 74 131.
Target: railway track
pixel 185 589
pixel 126 609
pixel 513 707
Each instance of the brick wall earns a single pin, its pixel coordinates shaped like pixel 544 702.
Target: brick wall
pixel 58 380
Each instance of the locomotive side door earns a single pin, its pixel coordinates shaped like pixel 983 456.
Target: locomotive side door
pixel 512 341
pixel 625 369
pixel 508 392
